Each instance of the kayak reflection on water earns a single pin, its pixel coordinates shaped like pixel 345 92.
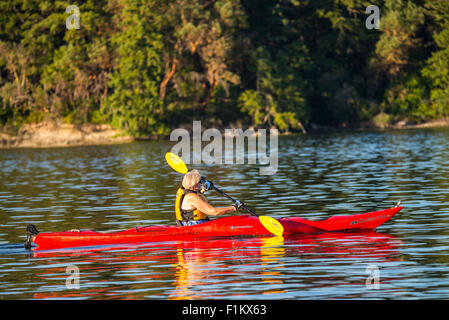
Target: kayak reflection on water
pixel 199 261
pixel 191 206
pixel 276 267
pixel 280 264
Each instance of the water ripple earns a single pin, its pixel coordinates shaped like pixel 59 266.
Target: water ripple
pixel 319 175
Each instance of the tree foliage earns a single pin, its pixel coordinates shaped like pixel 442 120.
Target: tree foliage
pixel 147 66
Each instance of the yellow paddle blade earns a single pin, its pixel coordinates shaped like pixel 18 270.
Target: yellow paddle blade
pixel 176 162
pixel 272 225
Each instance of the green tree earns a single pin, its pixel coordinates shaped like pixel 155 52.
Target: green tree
pixel 199 38
pixel 76 80
pixel 134 102
pixel 398 24
pixel 277 100
pixel 437 66
pixel 148 65
pixel 277 64
pixel 63 72
pixel 28 38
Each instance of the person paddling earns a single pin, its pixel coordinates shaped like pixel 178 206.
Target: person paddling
pixel 191 206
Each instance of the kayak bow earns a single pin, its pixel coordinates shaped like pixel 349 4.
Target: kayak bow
pixel 231 226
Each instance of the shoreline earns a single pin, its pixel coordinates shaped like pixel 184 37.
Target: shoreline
pixel 370 126
pixel 49 135
pixel 45 135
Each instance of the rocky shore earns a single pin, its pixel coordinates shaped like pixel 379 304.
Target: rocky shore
pixel 41 135
pixel 44 135
pixel 381 125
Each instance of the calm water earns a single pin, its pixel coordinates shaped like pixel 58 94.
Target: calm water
pixel 319 175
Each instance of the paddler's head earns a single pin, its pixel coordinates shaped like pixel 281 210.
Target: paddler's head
pixel 192 181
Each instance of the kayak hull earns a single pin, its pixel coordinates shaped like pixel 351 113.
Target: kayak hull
pixel 232 226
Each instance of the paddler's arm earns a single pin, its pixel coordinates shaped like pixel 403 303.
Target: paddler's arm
pixel 203 206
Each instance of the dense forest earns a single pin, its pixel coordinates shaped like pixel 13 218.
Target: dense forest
pixel 148 66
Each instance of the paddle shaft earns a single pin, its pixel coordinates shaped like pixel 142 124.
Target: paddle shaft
pixel 230 198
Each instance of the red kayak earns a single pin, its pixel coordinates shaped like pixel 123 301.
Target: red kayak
pixel 231 226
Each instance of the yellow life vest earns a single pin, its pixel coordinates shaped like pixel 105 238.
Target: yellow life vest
pixel 187 215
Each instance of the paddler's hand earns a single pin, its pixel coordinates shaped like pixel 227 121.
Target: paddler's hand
pixel 207 185
pixel 237 205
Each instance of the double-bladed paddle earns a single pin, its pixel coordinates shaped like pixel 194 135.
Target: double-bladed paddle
pixel 271 224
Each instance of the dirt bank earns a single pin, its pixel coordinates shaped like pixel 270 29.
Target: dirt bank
pixel 429 124
pixel 42 135
pixel 370 125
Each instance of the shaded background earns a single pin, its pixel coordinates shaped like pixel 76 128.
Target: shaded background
pixel 149 66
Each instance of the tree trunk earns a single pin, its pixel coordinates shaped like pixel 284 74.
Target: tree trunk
pixel 168 75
